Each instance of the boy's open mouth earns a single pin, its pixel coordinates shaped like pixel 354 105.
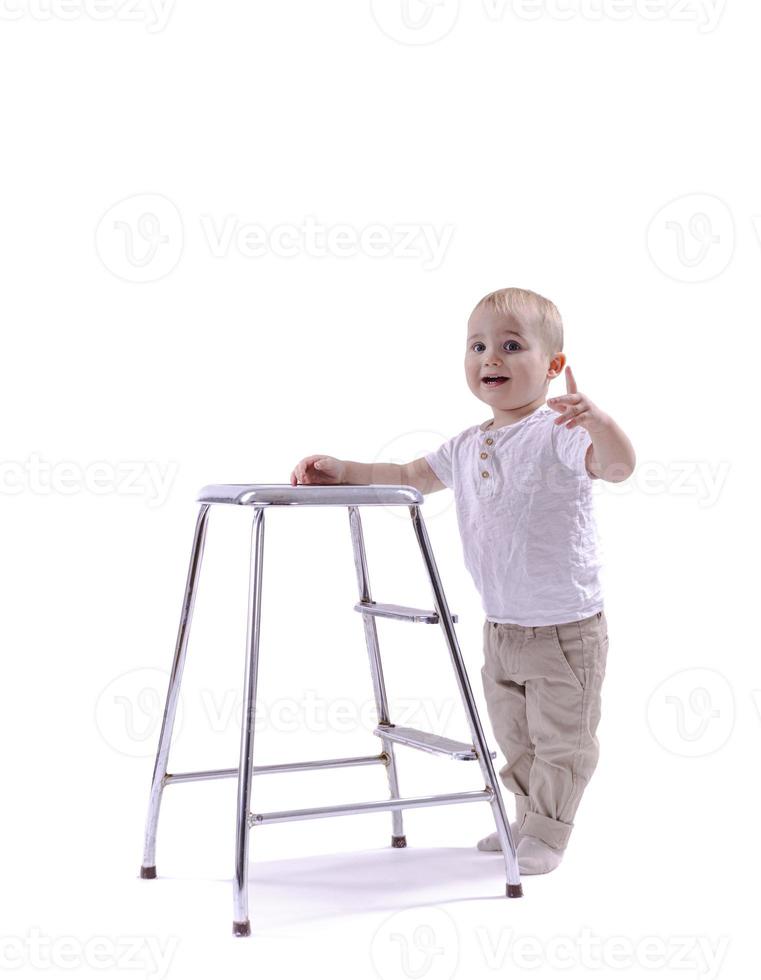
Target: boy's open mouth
pixel 493 380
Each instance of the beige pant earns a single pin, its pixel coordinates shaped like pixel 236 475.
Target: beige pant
pixel 542 686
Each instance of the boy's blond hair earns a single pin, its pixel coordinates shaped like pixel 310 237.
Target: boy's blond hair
pixel 540 315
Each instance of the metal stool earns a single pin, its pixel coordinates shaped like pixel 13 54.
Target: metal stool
pixel 261 496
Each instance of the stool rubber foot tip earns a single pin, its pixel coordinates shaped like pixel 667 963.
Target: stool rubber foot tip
pixel 514 891
pixel 148 872
pixel 399 841
pixel 242 928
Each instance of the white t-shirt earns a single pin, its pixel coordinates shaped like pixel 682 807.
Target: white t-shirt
pixel 524 508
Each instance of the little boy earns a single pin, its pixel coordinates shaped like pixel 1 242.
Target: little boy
pixel 522 485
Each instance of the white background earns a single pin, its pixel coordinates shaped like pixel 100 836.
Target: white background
pixel 167 311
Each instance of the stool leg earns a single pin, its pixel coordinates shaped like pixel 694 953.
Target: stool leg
pixel 514 889
pixel 148 869
pixel 241 924
pixel 398 838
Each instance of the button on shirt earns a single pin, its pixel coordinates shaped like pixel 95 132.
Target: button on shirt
pixel 525 513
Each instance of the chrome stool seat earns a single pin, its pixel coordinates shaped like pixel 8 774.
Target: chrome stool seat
pixel 260 497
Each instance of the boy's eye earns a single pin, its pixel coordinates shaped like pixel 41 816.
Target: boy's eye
pixel 479 344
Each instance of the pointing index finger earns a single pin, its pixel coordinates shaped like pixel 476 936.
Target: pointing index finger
pixel 570 381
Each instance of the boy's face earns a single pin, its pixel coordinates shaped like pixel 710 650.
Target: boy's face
pixel 499 344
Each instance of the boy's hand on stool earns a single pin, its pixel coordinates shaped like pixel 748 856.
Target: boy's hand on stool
pixel 317 470
pixel 577 409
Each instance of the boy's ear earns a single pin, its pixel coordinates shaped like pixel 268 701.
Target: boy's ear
pixel 557 364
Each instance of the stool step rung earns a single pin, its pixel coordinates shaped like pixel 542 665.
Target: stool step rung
pixel 428 742
pixel 407 613
pixel 343 809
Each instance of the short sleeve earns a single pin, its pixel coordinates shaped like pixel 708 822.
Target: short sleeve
pixel 571 447
pixel 440 462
